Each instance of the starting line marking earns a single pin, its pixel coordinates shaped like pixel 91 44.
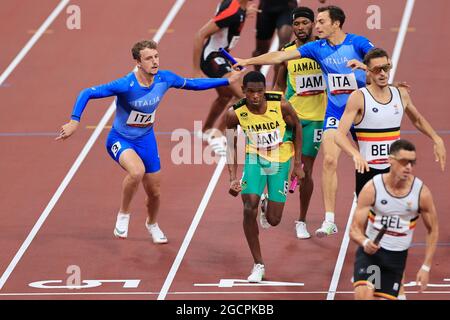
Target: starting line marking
pixel 193 293
pixel 229 283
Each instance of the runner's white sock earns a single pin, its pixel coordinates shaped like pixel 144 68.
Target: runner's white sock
pixel 329 216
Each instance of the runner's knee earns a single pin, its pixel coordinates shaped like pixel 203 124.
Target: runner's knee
pixel 136 173
pixel 329 162
pixel 250 210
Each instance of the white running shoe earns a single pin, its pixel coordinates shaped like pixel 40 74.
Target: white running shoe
pixel 262 215
pixel 121 229
pixel 327 229
pixel 156 233
pixel 218 145
pixel 300 229
pixel 257 273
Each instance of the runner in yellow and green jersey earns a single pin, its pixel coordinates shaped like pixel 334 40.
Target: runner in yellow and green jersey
pixel 273 137
pixel 303 82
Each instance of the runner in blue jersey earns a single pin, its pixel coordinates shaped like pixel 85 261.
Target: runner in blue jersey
pixel 131 141
pixel 340 57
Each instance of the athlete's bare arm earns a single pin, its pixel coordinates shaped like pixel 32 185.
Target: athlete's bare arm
pixel 352 114
pixel 430 220
pixel 280 83
pixel 200 37
pixel 291 119
pixel 424 126
pixel 232 122
pixel 275 57
pixel 357 231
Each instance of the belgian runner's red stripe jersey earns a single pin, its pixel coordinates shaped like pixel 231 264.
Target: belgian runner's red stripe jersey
pixel 230 18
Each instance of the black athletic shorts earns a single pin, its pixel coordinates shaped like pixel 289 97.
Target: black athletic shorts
pixel 384 270
pixel 269 20
pixel 363 178
pixel 215 65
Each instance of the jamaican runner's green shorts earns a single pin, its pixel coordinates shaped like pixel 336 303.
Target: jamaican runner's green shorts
pixel 259 172
pixel 311 137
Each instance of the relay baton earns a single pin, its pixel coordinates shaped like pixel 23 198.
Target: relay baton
pixel 229 57
pixel 294 183
pixel 380 234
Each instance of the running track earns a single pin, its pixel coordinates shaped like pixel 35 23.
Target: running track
pixel 37 98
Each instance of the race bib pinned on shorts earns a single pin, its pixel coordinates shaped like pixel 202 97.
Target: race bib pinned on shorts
pixel 342 83
pixel 139 119
pixel 308 85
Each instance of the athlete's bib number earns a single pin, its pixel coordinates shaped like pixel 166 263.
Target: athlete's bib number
pixel 309 85
pixel 233 42
pixel 332 122
pixel 317 135
pixel 139 119
pixel 342 83
pixel 266 140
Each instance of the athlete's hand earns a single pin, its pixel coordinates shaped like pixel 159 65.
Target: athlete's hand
pixel 422 279
pixel 361 164
pixel 440 154
pixel 235 76
pixel 371 248
pixel 402 84
pixel 298 172
pixel 235 187
pixel 355 64
pixel 67 130
pixel 241 63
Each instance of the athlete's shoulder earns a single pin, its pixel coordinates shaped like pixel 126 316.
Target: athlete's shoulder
pixel 239 104
pixel 273 95
pixel 124 83
pixel 356 38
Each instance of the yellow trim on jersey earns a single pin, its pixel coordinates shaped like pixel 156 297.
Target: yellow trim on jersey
pixel 266 134
pixel 378 136
pixel 311 106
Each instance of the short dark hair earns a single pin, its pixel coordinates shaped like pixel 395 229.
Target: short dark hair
pixel 373 54
pixel 336 14
pixel 401 144
pixel 136 50
pixel 254 76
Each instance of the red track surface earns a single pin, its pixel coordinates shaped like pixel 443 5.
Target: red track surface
pixel 40 93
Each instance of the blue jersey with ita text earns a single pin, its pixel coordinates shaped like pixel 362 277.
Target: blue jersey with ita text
pixel 136 104
pixel 341 80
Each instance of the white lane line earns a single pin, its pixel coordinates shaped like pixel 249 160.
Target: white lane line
pixel 395 60
pixel 201 209
pixel 193 293
pixel 33 40
pixel 401 38
pixel 342 252
pixel 169 18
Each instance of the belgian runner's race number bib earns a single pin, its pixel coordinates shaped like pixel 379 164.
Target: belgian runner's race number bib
pixel 139 119
pixel 342 83
pixel 266 140
pixel 309 85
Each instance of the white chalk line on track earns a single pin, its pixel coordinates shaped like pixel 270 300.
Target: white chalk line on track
pixel 104 120
pixel 346 239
